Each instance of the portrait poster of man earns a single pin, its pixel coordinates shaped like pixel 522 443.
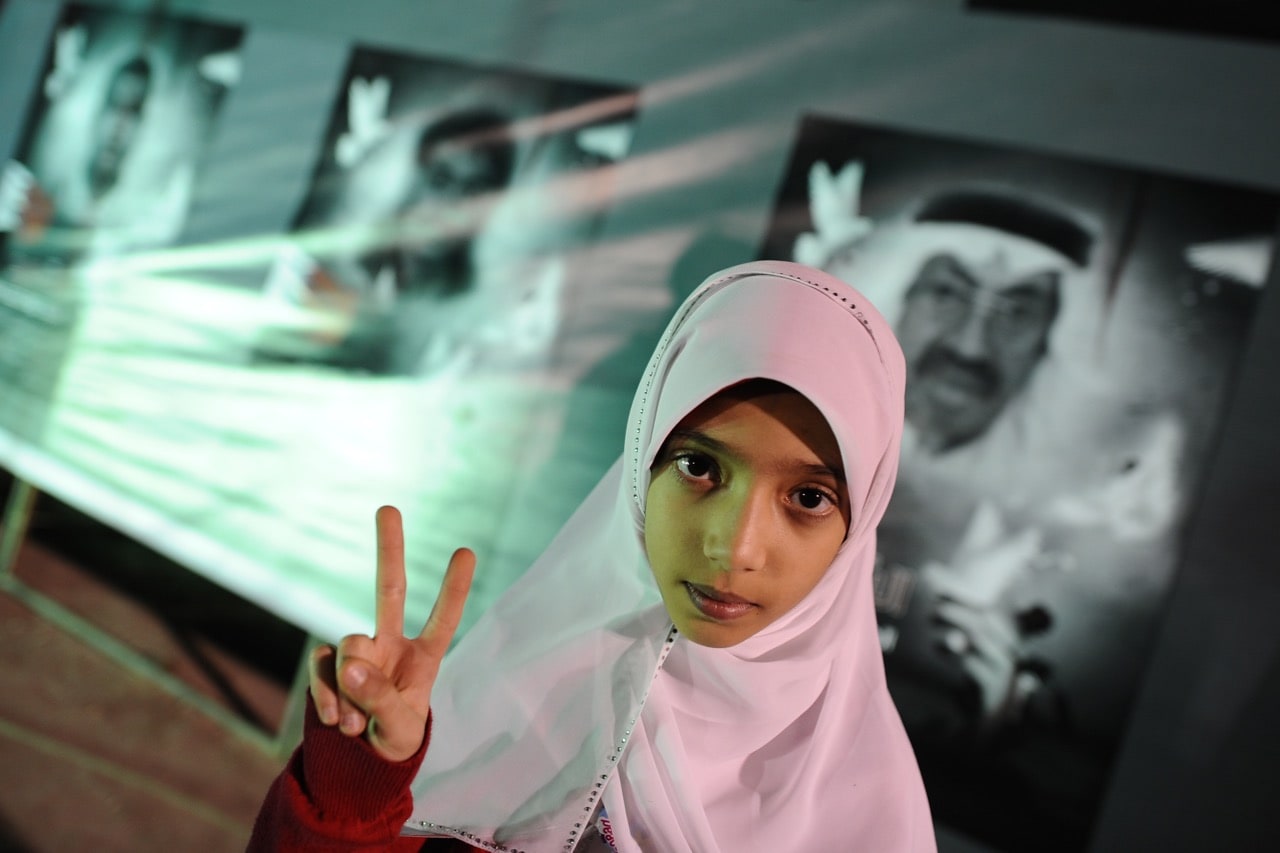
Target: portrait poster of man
pixel 433 234
pixel 105 165
pixel 1070 330
pixel 112 145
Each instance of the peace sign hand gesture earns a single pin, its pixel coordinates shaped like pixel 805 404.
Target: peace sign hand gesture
pixel 380 686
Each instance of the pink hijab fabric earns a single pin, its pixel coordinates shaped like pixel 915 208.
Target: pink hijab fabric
pixel 574 690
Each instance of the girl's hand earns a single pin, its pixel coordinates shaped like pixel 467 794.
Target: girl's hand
pixel 380 686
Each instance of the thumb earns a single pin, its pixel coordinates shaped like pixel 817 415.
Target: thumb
pixel 395 728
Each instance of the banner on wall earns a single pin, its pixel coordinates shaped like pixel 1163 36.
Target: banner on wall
pixel 1071 330
pixel 106 164
pixel 394 346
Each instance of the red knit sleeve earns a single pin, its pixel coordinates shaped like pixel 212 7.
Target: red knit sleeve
pixel 336 793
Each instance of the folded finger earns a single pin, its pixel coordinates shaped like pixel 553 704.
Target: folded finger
pixel 395 728
pixel 352 719
pixel 351 716
pixel 322 682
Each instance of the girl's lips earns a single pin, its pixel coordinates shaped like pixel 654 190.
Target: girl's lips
pixel 721 606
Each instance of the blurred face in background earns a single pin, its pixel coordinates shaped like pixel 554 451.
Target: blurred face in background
pixel 117 125
pixel 463 163
pixel 975 323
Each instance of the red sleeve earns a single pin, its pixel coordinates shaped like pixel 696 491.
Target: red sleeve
pixel 336 793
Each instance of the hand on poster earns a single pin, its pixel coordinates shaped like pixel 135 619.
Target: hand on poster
pixel 1141 497
pixel 530 324
pixel 287 278
pixel 335 303
pixel 366 119
pixel 24 206
pixel 833 208
pixel 975 622
pixel 15 184
pixel 295 278
pixel 380 686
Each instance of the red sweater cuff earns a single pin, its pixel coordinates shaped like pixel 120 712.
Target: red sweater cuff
pixel 347 781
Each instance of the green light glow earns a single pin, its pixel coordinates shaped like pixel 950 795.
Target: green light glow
pixel 159 403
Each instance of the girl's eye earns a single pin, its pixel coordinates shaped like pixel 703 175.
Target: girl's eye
pixel 814 500
pixel 695 466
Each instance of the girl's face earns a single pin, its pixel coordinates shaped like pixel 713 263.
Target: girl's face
pixel 747 506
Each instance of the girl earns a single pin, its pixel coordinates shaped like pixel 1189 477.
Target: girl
pixel 693 665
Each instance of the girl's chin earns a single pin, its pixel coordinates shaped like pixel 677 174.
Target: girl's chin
pixel 714 636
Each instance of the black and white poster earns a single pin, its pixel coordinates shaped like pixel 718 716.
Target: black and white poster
pixel 112 146
pixel 1071 330
pixel 105 166
pixel 242 404
pixel 432 238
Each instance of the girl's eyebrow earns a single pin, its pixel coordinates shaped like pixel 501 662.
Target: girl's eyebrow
pixel 693 436
pixel 698 437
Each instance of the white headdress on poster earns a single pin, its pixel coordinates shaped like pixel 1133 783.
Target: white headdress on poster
pixel 1129 486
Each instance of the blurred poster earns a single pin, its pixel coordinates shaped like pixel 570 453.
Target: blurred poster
pixel 105 165
pixel 113 142
pixel 432 237
pixel 393 349
pixel 1071 331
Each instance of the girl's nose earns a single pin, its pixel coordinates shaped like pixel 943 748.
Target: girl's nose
pixel 738 531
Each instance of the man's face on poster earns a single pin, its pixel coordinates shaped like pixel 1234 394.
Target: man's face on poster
pixel 455 188
pixel 117 125
pixel 973 329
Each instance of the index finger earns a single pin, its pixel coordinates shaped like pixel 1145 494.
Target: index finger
pixel 390 582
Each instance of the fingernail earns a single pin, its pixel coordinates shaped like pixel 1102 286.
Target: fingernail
pixel 351 724
pixel 355 675
pixel 328 716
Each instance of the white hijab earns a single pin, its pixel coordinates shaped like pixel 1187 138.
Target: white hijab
pixel 574 687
